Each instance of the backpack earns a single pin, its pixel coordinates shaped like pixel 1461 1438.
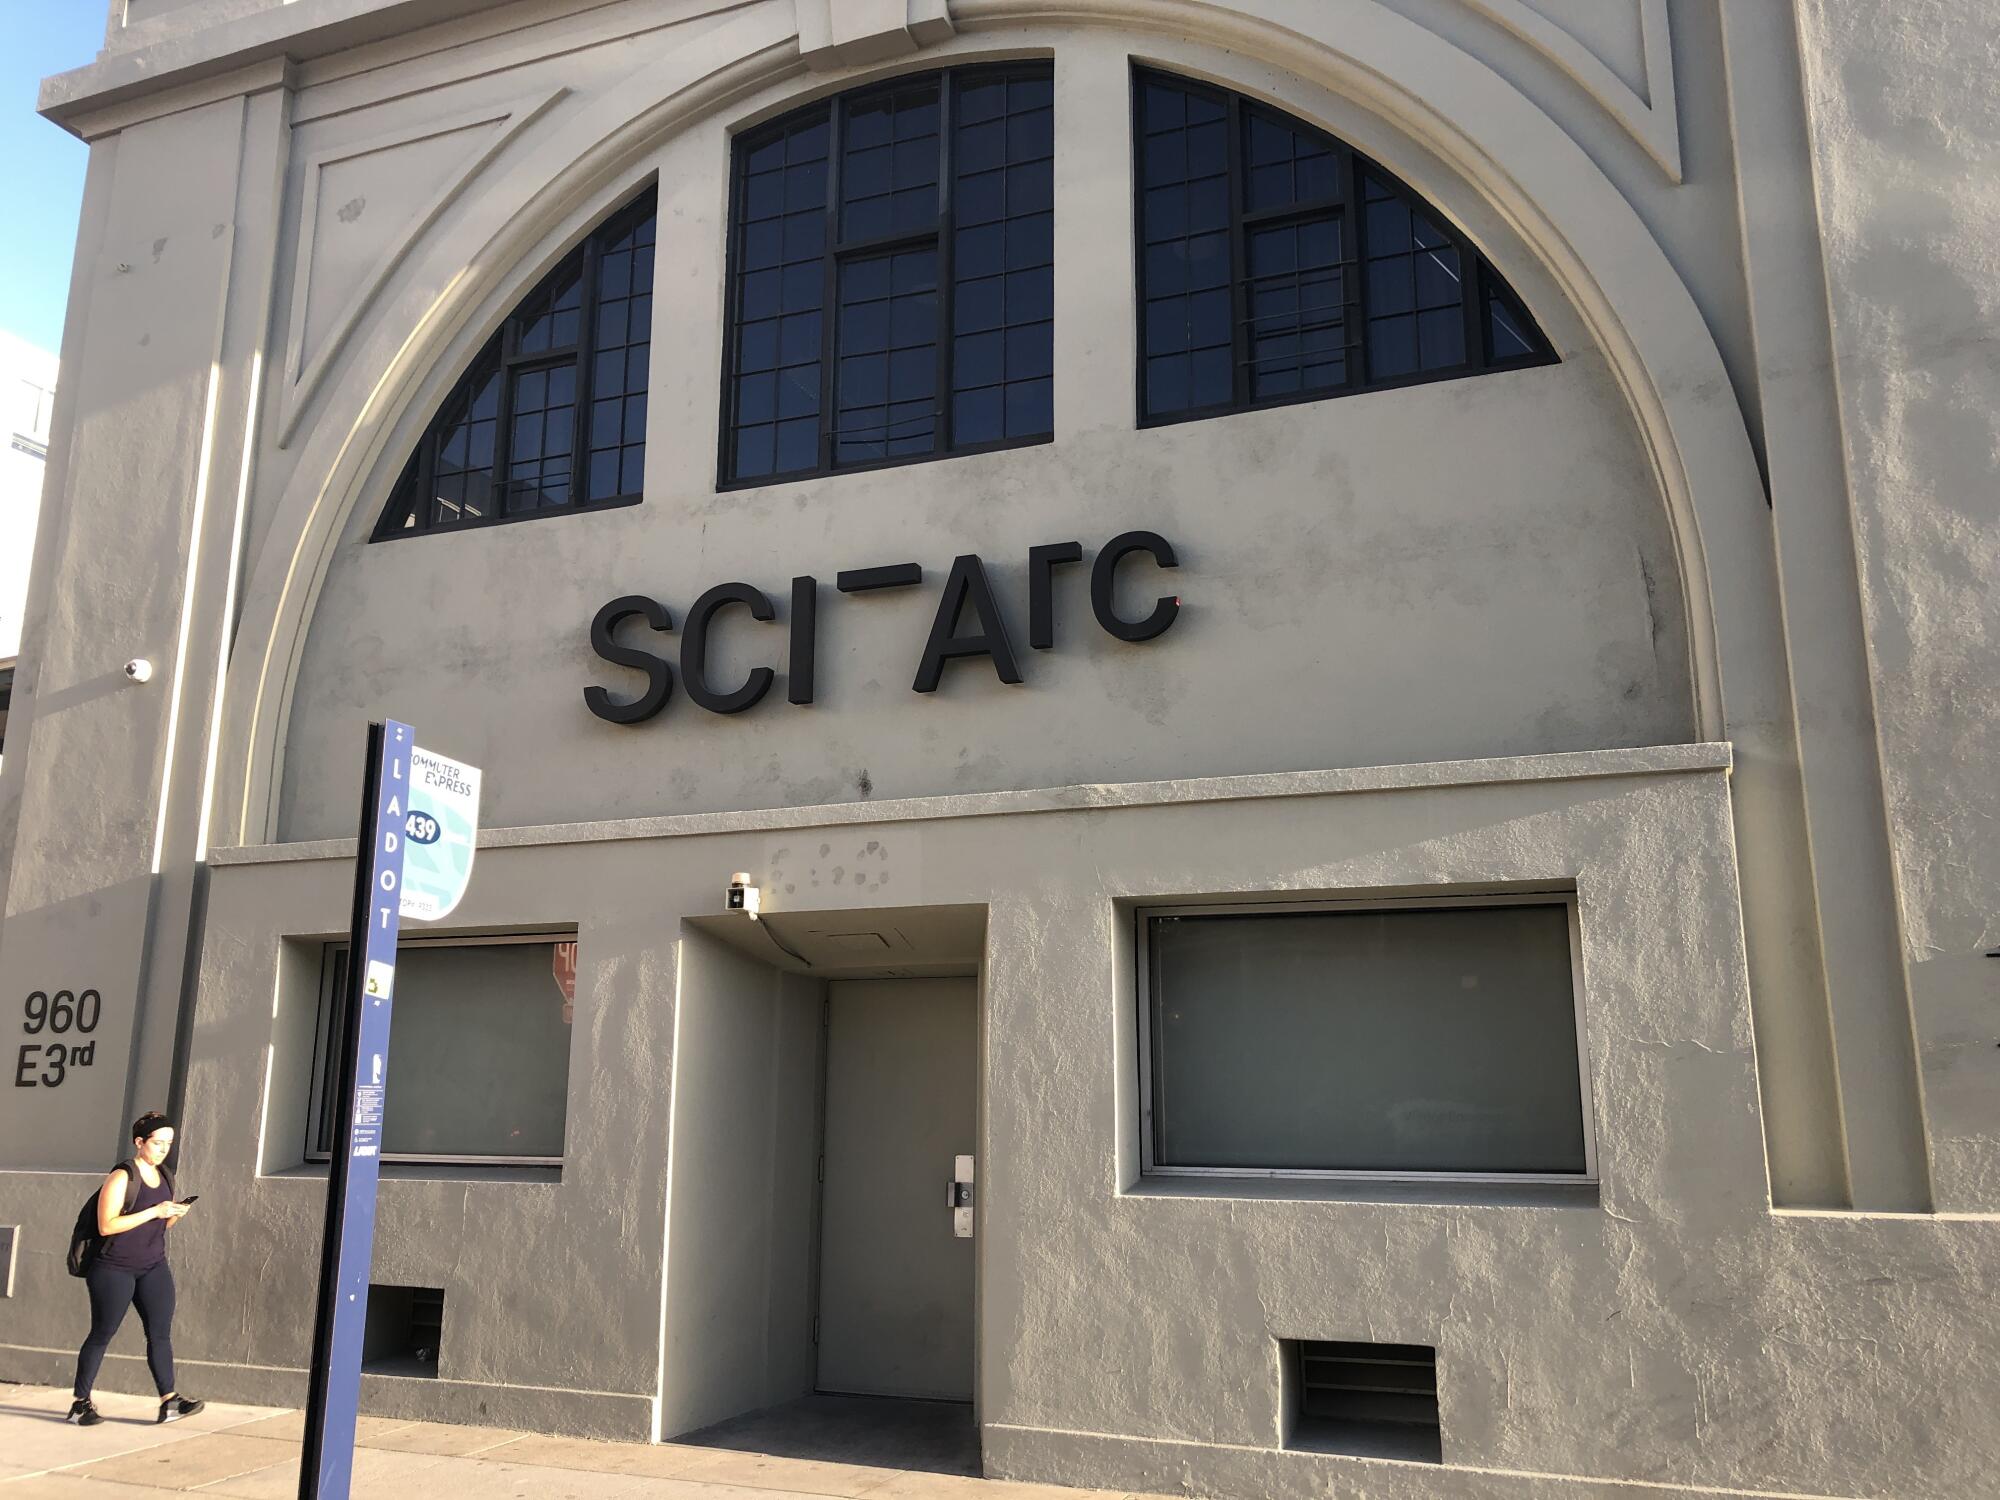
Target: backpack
pixel 84 1240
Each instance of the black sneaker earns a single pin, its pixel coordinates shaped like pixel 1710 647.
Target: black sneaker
pixel 175 1407
pixel 83 1413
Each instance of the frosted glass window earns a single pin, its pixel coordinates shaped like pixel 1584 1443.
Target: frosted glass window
pixel 478 1052
pixel 1435 1040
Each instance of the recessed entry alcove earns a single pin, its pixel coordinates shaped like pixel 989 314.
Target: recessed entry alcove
pixel 821 1215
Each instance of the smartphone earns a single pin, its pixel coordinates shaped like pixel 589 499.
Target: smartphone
pixel 191 1197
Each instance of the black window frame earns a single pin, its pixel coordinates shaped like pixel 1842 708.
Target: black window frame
pixel 835 252
pixel 415 482
pixel 1483 283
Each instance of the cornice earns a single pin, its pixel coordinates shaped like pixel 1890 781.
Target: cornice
pixel 129 85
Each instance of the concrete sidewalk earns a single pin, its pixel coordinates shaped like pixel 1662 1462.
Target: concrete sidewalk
pixel 252 1452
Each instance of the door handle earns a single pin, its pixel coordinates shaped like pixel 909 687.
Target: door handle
pixel 959 1196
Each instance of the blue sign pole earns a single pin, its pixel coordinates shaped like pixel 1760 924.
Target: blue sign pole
pixel 333 1390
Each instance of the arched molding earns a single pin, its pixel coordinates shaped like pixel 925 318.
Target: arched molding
pixel 576 164
pixel 455 281
pixel 491 129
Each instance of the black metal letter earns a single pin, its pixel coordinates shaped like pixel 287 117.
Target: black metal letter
pixel 805 640
pixel 888 576
pixel 694 649
pixel 1041 589
pixel 1103 574
pixel 659 676
pixel 966 583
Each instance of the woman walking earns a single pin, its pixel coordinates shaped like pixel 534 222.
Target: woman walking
pixel 129 1269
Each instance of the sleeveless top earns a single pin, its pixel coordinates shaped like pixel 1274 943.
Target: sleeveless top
pixel 145 1247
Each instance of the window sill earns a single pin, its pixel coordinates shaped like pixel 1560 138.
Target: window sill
pixel 1148 420
pixel 437 1171
pixel 487 523
pixel 1581 1194
pixel 726 486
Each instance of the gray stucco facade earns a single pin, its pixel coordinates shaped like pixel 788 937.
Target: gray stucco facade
pixel 1693 627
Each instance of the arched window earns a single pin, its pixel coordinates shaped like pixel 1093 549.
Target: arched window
pixel 891 278
pixel 1277 265
pixel 551 417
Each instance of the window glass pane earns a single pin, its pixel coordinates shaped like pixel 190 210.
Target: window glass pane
pixel 981 251
pixel 889 163
pixel 1286 163
pixel 404 512
pixel 462 472
pixel 756 349
pixel 1392 346
pixel 478 1052
pixel 1297 262
pixel 1510 335
pixel 979 416
pixel 622 359
pixel 798 442
pixel 1030 407
pixel 1412 269
pixel 548 319
pixel 1436 1040
pixel 754 442
pixel 1167 383
pixel 981 99
pixel 1440 339
pixel 541 439
pixel 882 346
pixel 532 361
pixel 1208 377
pixel 886 381
pixel 1184 222
pixel 1005 278
pixel 780 286
pixel 1296 307
pixel 756 398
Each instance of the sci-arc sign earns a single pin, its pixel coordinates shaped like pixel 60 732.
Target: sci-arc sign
pixel 966 591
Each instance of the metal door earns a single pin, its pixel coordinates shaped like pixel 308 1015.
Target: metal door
pixel 895 1308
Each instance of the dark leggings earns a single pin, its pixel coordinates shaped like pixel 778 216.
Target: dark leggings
pixel 112 1290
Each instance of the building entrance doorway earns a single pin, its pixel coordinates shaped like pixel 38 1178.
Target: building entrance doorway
pixel 895 1276
pixel 818 1299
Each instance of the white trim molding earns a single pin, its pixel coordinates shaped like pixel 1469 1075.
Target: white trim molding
pixel 1650 115
pixel 850 33
pixel 306 369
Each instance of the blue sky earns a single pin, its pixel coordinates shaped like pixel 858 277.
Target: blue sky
pixel 41 167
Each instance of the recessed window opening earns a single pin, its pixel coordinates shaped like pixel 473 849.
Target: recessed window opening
pixel 551 416
pixel 891 277
pixel 479 1039
pixel 1278 265
pixel 1400 1041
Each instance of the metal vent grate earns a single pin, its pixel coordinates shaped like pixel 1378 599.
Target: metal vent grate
pixel 1374 1399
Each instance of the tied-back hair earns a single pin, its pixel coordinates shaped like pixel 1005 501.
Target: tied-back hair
pixel 146 1124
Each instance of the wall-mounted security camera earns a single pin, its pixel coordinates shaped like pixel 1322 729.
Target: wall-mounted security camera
pixel 743 896
pixel 139 669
